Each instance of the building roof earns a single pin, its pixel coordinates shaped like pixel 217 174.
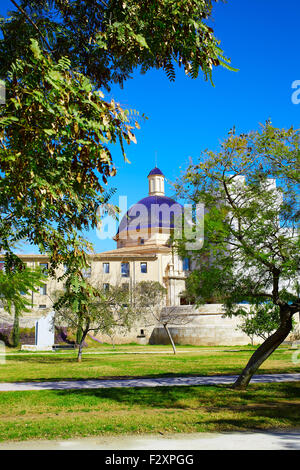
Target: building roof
pixel 151 212
pixel 156 171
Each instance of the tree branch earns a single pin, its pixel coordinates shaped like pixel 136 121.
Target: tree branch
pixel 32 23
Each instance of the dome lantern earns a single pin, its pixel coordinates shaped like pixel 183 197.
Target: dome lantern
pixel 156 182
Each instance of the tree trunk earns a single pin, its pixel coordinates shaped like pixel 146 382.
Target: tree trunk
pixel 16 330
pixel 79 332
pixel 170 338
pixel 79 357
pixel 83 336
pixel 266 349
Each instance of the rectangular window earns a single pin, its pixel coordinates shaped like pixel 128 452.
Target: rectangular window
pixel 144 268
pixel 105 268
pixel 87 272
pixel 43 289
pixel 42 306
pixel 106 286
pixel 125 269
pixel 44 268
pixel 186 264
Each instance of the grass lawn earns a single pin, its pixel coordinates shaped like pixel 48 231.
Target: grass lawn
pixel 78 413
pixel 133 361
pixel 62 414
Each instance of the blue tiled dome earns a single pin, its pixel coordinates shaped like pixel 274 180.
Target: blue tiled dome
pixel 156 212
pixel 156 171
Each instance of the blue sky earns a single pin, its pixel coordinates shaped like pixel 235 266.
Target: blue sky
pixel 187 116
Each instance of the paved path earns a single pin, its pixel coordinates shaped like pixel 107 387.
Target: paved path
pixel 138 382
pixel 269 440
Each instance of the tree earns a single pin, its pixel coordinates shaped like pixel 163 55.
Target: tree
pixel 281 158
pixel 15 285
pixel 149 300
pixel 54 136
pixel 251 247
pixel 262 320
pixel 102 311
pixel 107 40
pixel 56 128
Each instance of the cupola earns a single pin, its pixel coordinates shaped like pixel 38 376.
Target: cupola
pixel 156 182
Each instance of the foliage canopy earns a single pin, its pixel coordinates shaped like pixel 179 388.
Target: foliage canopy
pixel 251 251
pixel 107 40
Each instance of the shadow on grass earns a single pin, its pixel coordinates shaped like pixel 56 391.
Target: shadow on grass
pixel 217 408
pixel 260 419
pixel 196 408
pixel 196 397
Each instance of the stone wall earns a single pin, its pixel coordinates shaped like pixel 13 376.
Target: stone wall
pixel 26 320
pixel 204 326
